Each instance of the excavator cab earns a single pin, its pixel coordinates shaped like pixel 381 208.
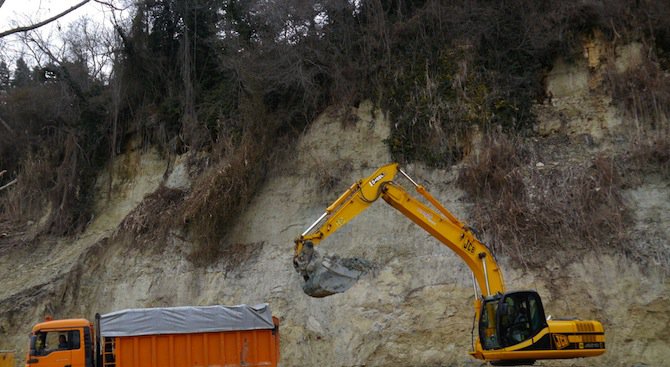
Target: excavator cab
pixel 510 319
pixel 513 331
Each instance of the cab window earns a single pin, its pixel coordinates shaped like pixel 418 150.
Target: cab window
pixel 487 325
pixel 537 320
pixel 43 343
pixel 521 317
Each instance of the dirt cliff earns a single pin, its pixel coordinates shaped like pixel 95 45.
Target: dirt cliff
pixel 415 309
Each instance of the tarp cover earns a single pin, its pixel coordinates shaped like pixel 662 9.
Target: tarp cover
pixel 185 320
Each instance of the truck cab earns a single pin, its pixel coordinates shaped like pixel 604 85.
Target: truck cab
pixel 61 343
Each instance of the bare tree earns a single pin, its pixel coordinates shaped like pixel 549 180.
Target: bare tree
pixel 42 23
pixel 91 43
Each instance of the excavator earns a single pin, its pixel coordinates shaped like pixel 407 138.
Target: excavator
pixel 512 326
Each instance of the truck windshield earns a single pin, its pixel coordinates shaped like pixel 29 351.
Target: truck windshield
pixel 46 342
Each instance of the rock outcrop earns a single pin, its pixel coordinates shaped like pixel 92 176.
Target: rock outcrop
pixel 415 309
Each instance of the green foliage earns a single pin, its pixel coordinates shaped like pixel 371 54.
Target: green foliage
pixel 217 76
pixel 236 79
pixel 435 104
pixel 56 142
pixel 172 61
pixel 449 79
pixel 445 68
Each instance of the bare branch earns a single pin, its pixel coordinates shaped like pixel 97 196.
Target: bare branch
pixel 1 2
pixel 10 183
pixel 6 125
pixel 112 6
pixel 44 22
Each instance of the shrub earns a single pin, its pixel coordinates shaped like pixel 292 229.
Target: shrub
pixel 526 211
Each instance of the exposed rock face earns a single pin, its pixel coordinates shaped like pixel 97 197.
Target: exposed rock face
pixel 59 277
pixel 577 103
pixel 415 309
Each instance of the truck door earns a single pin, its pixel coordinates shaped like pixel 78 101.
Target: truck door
pixel 56 348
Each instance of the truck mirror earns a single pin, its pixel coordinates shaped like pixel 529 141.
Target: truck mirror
pixel 33 348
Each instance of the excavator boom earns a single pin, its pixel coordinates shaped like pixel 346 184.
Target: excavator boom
pixel 338 275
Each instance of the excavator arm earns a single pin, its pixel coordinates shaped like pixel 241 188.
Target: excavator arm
pixel 327 276
pixel 351 203
pixel 437 221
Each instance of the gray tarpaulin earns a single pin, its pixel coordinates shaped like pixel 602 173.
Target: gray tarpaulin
pixel 183 320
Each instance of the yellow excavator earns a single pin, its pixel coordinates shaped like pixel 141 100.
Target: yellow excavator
pixel 512 326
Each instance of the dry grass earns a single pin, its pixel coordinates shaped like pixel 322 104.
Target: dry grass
pixel 27 198
pixel 70 194
pixel 54 186
pixel 237 254
pixel 151 221
pixel 650 153
pixel 575 200
pixel 643 93
pixel 222 192
pixel 648 161
pixel 329 176
pixel 527 211
pixel 26 208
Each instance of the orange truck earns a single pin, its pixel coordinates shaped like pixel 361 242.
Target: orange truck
pixel 160 337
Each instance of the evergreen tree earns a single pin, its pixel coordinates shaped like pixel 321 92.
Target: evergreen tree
pixel 4 76
pixel 22 74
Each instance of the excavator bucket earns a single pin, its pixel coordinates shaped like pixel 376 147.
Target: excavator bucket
pixel 328 275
